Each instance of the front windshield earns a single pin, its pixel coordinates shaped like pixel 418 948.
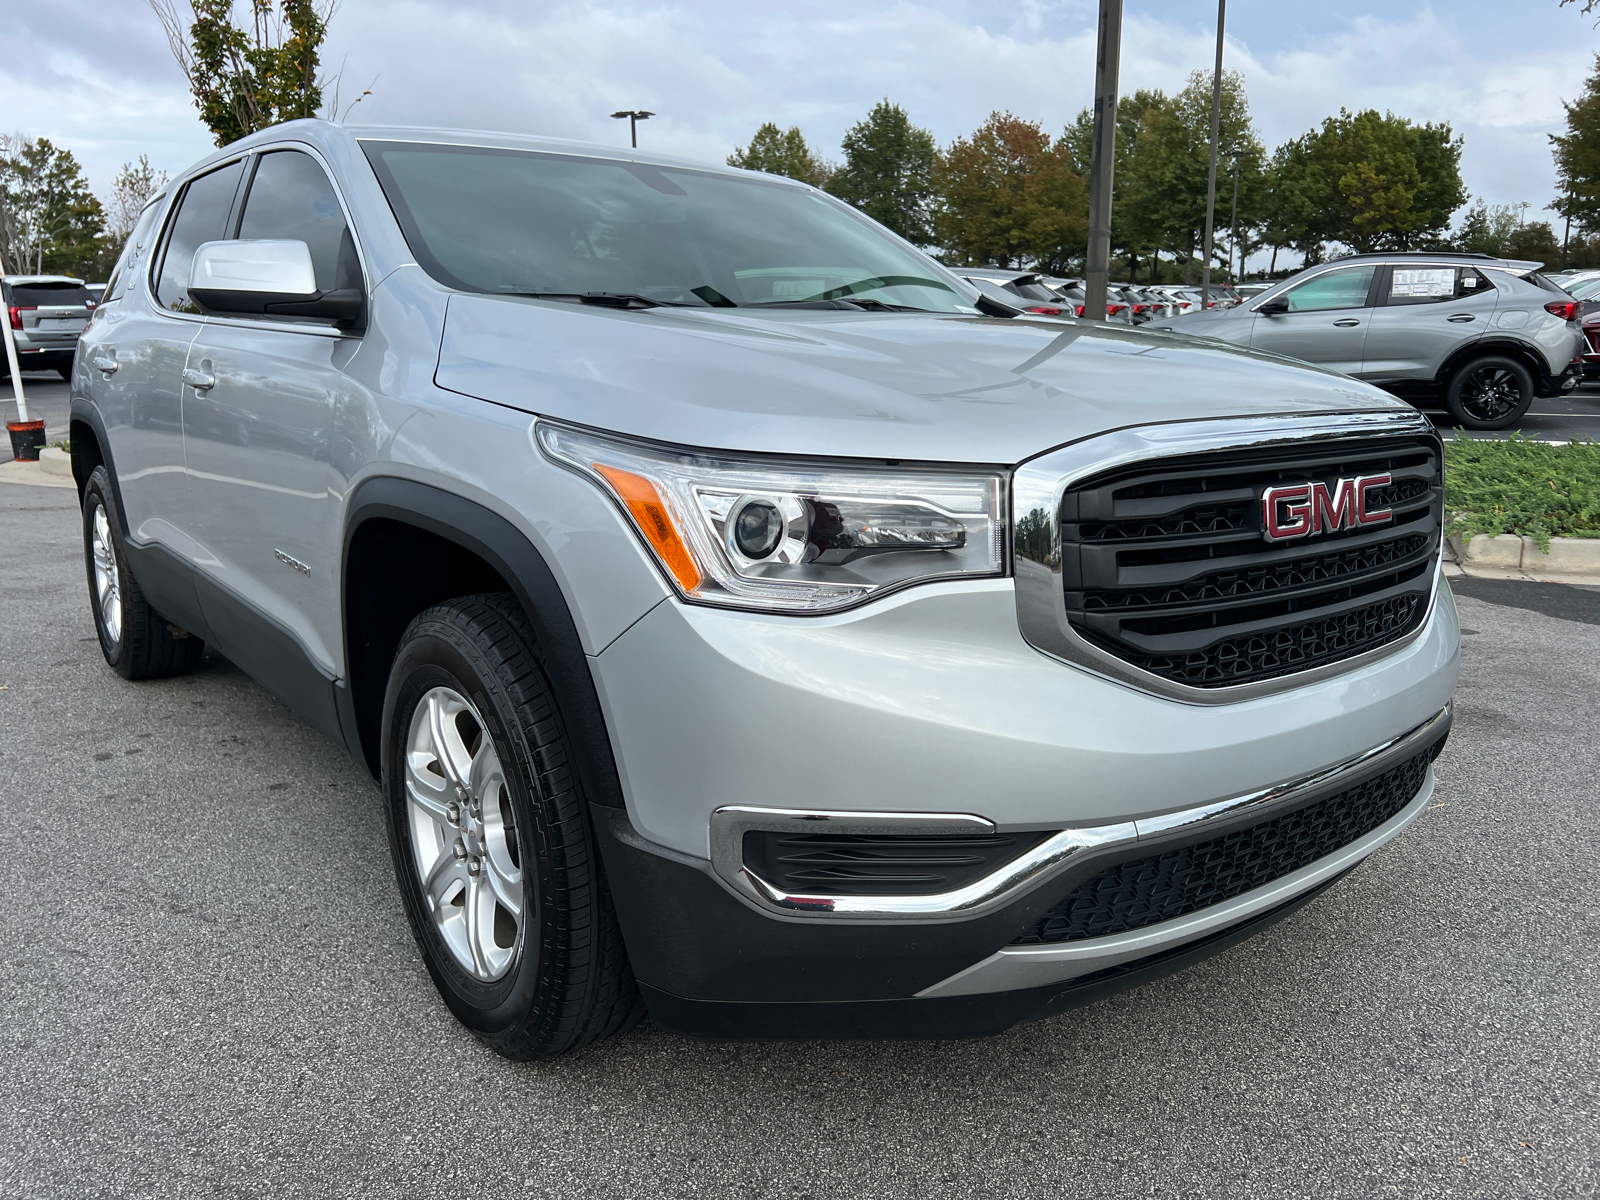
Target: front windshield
pixel 527 223
pixel 1585 289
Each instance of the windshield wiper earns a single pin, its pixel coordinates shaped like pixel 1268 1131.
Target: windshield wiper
pixel 855 302
pixel 606 299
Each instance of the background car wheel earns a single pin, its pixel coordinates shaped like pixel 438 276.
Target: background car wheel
pixel 137 641
pixel 1490 393
pixel 65 373
pixel 493 851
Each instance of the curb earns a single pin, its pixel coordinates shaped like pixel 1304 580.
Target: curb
pixel 55 461
pixel 33 474
pixel 1509 554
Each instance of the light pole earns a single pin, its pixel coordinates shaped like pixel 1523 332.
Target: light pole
pixel 1104 158
pixel 1233 220
pixel 1522 213
pixel 1211 182
pixel 634 115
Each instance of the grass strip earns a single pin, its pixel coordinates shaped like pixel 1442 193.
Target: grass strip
pixel 1522 486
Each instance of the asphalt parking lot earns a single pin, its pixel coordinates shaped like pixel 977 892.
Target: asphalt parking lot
pixel 209 988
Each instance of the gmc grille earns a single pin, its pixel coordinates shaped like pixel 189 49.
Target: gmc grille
pixel 1164 564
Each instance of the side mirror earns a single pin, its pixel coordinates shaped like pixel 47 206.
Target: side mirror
pixel 266 278
pixel 1278 304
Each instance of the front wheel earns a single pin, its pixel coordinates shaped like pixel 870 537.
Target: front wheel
pixel 492 845
pixel 1492 392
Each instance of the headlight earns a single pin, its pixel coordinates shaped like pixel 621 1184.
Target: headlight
pixel 792 536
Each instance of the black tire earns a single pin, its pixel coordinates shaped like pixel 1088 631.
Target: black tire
pixel 65 373
pixel 1492 392
pixel 568 982
pixel 145 645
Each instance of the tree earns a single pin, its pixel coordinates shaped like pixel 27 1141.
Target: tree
pixel 1171 160
pixel 130 192
pixel 247 78
pixel 1577 155
pixel 888 172
pixel 50 222
pixel 1486 229
pixel 1128 234
pixel 780 153
pixel 1368 181
pixel 1009 195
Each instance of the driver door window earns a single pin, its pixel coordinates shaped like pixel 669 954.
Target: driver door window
pixel 1336 289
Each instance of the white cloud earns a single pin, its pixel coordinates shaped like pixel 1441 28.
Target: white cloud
pixel 99 78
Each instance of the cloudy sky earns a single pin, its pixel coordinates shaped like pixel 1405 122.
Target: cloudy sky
pixel 97 76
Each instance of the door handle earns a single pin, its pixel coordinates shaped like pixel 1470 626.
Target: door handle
pixel 199 380
pixel 106 363
pixel 1347 322
pixel 1459 317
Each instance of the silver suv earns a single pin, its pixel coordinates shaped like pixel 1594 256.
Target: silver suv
pixel 740 624
pixel 47 313
pixel 1484 336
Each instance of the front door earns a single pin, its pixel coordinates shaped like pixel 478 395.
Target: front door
pixel 1326 322
pixel 260 407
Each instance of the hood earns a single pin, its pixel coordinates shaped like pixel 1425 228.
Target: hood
pixel 929 387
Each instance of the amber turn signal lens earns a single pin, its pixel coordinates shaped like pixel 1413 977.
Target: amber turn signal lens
pixel 650 515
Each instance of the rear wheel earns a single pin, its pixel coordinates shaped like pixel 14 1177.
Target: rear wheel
pixel 137 641
pixel 493 850
pixel 1492 392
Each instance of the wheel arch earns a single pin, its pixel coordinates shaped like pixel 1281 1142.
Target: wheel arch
pixel 91 448
pixel 395 525
pixel 1497 345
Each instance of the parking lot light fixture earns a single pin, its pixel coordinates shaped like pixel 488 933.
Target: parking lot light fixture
pixel 634 115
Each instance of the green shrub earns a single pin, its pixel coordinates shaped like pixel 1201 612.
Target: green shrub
pixel 1522 486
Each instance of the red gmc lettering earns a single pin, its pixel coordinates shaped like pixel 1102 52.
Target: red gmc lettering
pixel 1295 500
pixel 1363 482
pixel 1332 510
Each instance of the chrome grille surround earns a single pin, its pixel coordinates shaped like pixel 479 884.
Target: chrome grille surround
pixel 1040 485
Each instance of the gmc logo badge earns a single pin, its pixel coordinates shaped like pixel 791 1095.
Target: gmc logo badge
pixel 1297 510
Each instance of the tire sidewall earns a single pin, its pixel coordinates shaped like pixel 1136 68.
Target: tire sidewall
pixel 1466 419
pixel 96 495
pixel 434 655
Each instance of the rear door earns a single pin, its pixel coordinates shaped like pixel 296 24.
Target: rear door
pixel 1327 319
pixel 1426 312
pixel 137 358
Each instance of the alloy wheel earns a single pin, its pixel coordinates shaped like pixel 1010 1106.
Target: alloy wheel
pixel 1490 393
pixel 463 834
pixel 107 580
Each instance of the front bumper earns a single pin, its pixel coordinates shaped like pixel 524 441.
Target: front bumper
pixel 932 703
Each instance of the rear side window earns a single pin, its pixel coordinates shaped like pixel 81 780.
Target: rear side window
pixel 202 217
pixel 290 198
pixel 33 295
pixel 1435 285
pixel 127 268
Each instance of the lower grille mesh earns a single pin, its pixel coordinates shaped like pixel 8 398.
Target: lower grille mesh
pixel 1279 651
pixel 1162 887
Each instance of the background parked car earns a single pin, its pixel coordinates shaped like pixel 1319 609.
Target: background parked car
pixel 1485 336
pixel 1027 288
pixel 47 313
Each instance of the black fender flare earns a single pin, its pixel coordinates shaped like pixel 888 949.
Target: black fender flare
pixel 1504 344
pixel 84 411
pixel 507 549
